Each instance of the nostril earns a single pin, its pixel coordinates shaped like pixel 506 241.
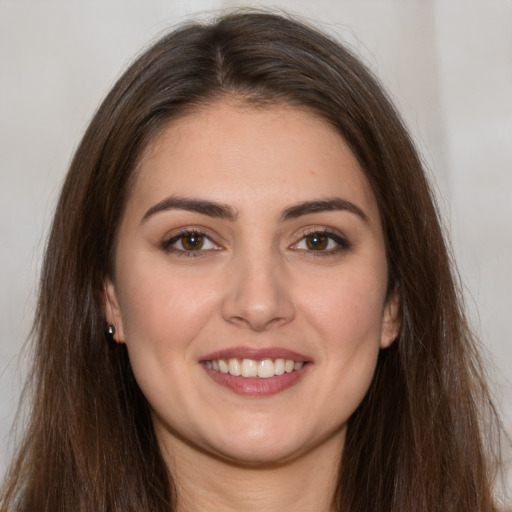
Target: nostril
pixel 256 324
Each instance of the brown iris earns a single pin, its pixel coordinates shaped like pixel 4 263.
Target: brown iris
pixel 317 241
pixel 192 241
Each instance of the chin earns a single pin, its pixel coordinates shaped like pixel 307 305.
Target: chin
pixel 263 447
pixel 258 456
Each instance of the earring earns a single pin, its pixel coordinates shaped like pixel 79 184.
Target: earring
pixel 111 332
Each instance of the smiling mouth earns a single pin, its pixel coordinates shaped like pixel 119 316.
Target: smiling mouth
pixel 253 368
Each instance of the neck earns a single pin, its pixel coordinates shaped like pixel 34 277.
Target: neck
pixel 208 484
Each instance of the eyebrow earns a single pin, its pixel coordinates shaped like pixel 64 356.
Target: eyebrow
pixel 203 207
pixel 227 212
pixel 326 205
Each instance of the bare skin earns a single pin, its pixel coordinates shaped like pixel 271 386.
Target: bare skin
pixel 307 483
pixel 253 234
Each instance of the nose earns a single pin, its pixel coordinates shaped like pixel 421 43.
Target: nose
pixel 258 294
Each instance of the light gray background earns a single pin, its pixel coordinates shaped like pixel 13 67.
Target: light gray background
pixel 447 63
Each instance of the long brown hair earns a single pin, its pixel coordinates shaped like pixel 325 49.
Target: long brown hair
pixel 418 440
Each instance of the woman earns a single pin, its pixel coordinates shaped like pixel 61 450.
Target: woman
pixel 248 220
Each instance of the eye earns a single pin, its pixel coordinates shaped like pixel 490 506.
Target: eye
pixel 191 242
pixel 322 242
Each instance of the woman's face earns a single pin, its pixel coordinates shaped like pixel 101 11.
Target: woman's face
pixel 251 283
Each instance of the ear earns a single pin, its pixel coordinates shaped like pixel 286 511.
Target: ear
pixel 390 319
pixel 112 310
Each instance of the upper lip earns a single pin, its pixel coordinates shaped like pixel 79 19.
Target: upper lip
pixel 257 354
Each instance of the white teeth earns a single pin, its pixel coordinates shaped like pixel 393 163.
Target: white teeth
pixel 223 367
pixel 251 368
pixel 279 367
pixel 266 368
pixel 234 367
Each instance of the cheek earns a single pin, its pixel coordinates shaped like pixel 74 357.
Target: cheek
pixel 348 308
pixel 163 315
pixel 162 310
pixel 347 316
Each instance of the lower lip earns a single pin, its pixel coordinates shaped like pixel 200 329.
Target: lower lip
pixel 258 387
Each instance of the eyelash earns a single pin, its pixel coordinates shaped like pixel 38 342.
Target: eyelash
pixel 342 244
pixel 168 244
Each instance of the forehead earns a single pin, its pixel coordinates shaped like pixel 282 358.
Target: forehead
pixel 232 150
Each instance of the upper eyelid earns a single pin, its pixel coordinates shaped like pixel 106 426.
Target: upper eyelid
pixel 218 240
pixel 320 229
pixel 199 230
pixel 334 234
pixel 169 240
pixel 326 230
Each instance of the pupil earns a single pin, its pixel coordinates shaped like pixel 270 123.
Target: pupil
pixel 316 242
pixel 192 242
